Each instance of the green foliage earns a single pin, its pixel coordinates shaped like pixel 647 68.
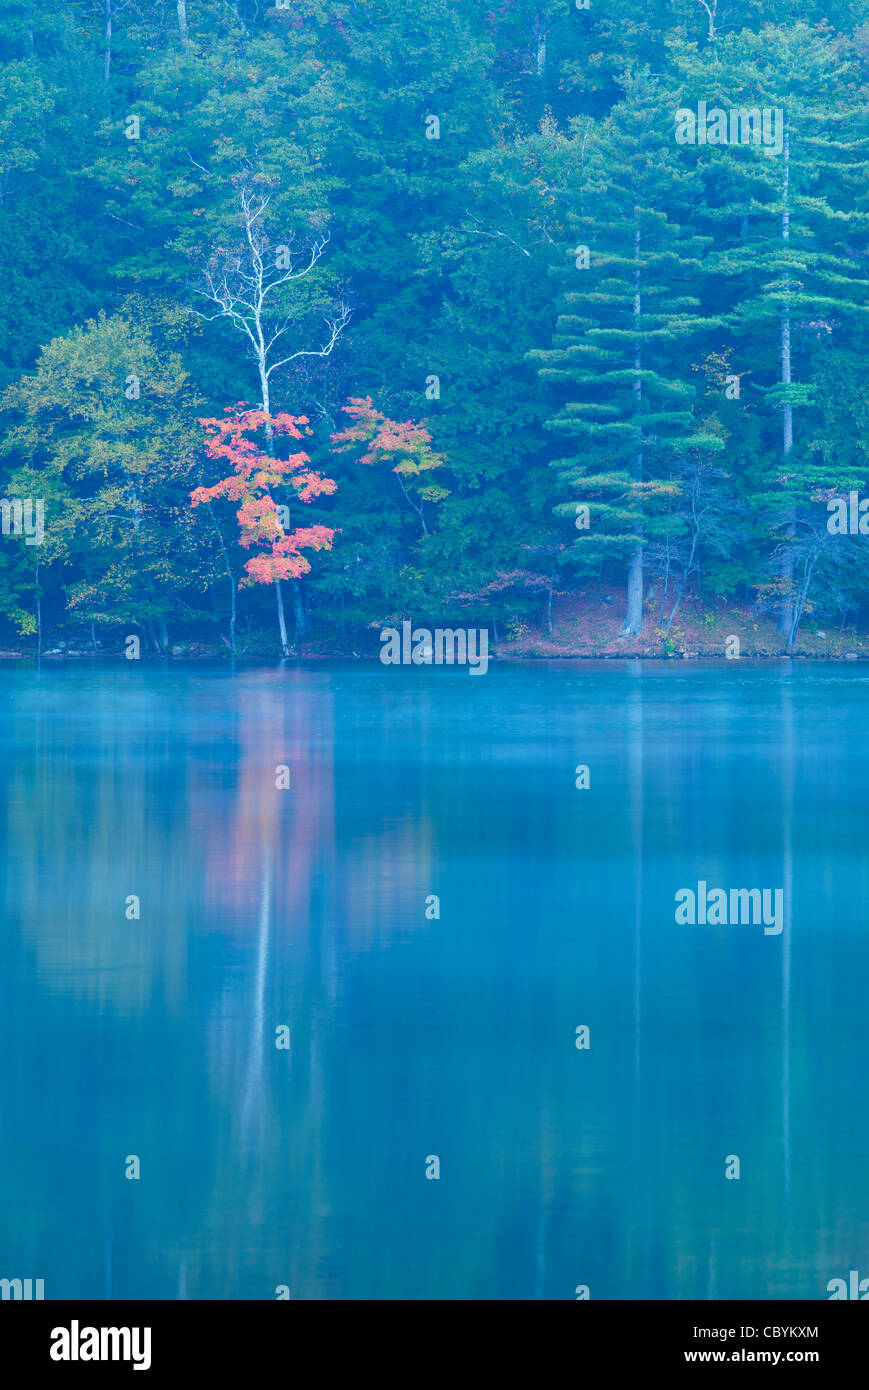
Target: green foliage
pixel 448 160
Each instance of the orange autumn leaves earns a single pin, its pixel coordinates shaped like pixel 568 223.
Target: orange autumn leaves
pixel 406 445
pixel 256 475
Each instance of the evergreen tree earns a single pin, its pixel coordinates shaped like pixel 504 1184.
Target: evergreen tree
pixel 787 234
pixel 623 402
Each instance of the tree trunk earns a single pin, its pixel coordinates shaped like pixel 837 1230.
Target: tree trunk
pixel 710 9
pixel 674 610
pixel 38 612
pixel 182 22
pixel 540 30
pixel 107 58
pixel 634 615
pixel 282 622
pixel 800 604
pixel 265 400
pixel 683 579
pixel 786 620
pixel 299 609
pixel 665 587
pixel 231 578
pixel 633 624
pixel 266 405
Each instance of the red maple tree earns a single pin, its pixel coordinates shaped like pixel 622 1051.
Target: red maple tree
pixel 254 477
pixel 255 474
pixel 404 445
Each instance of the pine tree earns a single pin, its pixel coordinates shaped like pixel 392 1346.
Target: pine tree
pixel 786 246
pixel 620 338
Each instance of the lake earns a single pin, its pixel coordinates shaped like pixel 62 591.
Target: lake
pixel 426 915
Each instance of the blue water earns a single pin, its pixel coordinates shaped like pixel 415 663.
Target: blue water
pixel 415 1036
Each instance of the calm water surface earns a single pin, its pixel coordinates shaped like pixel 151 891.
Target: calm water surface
pixel 413 1037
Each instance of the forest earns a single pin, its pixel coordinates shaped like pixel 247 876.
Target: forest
pixel 544 316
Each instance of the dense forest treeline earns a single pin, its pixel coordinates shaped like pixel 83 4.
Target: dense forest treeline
pixel 325 314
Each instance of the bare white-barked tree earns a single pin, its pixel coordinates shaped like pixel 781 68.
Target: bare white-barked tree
pixel 245 286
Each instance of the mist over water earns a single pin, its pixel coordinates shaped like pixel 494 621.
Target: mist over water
pixel 413 1036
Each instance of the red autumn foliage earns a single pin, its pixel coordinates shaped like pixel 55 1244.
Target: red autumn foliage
pixel 404 444
pixel 385 437
pixel 254 475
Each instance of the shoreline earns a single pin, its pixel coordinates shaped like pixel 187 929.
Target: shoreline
pixel 583 628
pixel 495 657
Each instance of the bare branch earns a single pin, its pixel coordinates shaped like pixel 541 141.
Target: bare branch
pixel 198 165
pixel 336 328
pixel 710 13
pixel 240 290
pixel 481 231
